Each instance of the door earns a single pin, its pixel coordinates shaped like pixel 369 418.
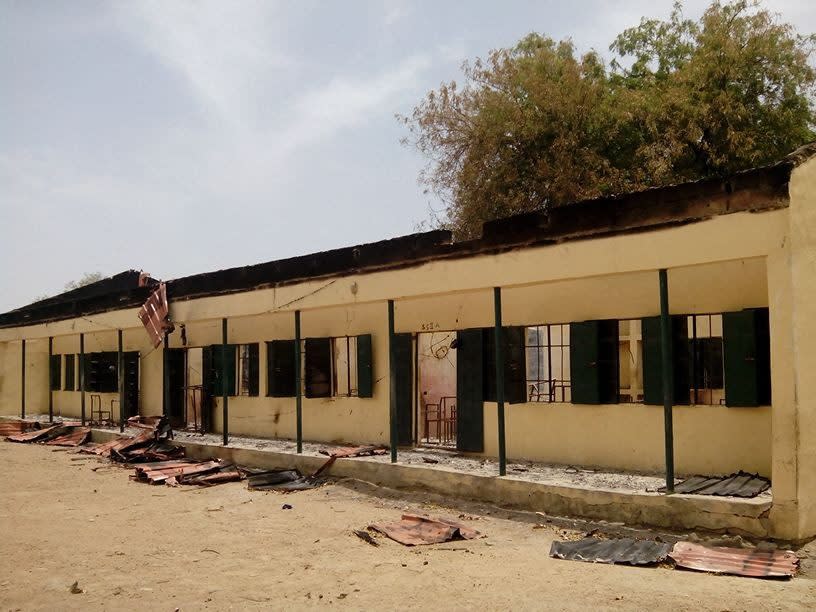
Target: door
pixel 469 391
pixel 403 357
pixel 176 369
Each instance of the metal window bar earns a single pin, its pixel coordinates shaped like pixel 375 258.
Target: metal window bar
pixel 548 388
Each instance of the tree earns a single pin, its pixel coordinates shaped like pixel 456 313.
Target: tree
pixel 87 279
pixel 536 126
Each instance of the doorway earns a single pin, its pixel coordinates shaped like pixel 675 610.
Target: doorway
pixel 436 389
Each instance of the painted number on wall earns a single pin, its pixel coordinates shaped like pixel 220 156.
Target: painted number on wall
pixel 429 326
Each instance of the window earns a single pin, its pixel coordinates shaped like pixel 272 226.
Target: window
pixel 338 367
pixel 281 377
pixel 101 372
pixel 55 372
pixel 631 362
pixel 705 334
pixel 547 350
pixel 70 373
pixel 344 366
pixel 248 371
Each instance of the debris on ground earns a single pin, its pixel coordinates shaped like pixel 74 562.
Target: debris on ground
pixel 74 588
pixel 739 484
pixel 12 428
pixel 365 537
pixel 346 452
pixel 65 434
pixel 415 529
pixel 627 551
pixel 754 562
pixel 280 480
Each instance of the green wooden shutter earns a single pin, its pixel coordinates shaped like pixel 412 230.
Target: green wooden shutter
pixel 55 372
pixel 653 360
pixel 131 407
pixel 70 373
pixel 280 368
pixel 207 388
pixel 403 357
pixel 365 374
pixel 746 341
pixel 594 362
pixel 469 391
pixel 318 358
pixel 223 356
pixel 515 369
pixel 254 368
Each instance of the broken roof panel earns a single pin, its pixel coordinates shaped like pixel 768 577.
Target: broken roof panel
pixel 414 529
pixel 739 484
pixel 626 551
pixel 154 315
pixel 737 561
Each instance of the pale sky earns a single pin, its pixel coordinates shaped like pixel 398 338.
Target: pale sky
pixel 182 137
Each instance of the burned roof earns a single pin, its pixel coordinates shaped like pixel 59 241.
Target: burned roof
pixel 755 190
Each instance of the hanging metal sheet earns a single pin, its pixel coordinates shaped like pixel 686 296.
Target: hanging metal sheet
pixel 626 551
pixel 738 561
pixel 154 315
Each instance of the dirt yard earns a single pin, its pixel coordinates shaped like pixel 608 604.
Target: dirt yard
pixel 68 517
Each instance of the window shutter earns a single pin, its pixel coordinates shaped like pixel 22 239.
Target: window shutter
pixel 469 391
pixel 254 369
pixel 131 407
pixel 747 357
pixel 223 380
pixel 55 372
pixel 515 370
pixel 403 356
pixel 70 373
pixel 207 388
pixel 594 362
pixel 280 368
pixel 317 375
pixel 653 360
pixel 365 375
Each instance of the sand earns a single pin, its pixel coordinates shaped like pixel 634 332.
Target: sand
pixel 135 546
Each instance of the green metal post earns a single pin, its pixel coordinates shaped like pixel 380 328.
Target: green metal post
pixel 50 387
pixel 82 376
pixel 224 390
pixel 298 385
pixel 498 342
pixel 392 381
pixel 668 378
pixel 121 372
pixel 22 381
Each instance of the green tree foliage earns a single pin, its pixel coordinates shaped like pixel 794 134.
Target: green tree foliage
pixel 536 125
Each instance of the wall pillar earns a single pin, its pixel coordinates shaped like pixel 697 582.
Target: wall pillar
pixel 22 379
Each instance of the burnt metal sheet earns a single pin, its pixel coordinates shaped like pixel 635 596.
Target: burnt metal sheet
pixel 154 315
pixel 739 484
pixel 281 480
pixel 347 452
pixel 738 561
pixel 415 529
pixel 627 551
pixel 158 473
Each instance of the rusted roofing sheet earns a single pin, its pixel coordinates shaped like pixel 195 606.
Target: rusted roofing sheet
pixel 159 472
pixel 740 484
pixel 414 529
pixel 74 437
pixel 11 428
pixel 32 436
pixel 624 550
pixel 738 561
pixel 153 315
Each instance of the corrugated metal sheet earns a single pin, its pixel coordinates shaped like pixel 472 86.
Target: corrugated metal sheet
pixel 11 428
pixel 33 436
pixel 738 561
pixel 740 484
pixel 626 551
pixel 154 313
pixel 414 529
pixel 74 437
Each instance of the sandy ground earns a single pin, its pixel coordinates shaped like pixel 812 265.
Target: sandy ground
pixel 67 517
